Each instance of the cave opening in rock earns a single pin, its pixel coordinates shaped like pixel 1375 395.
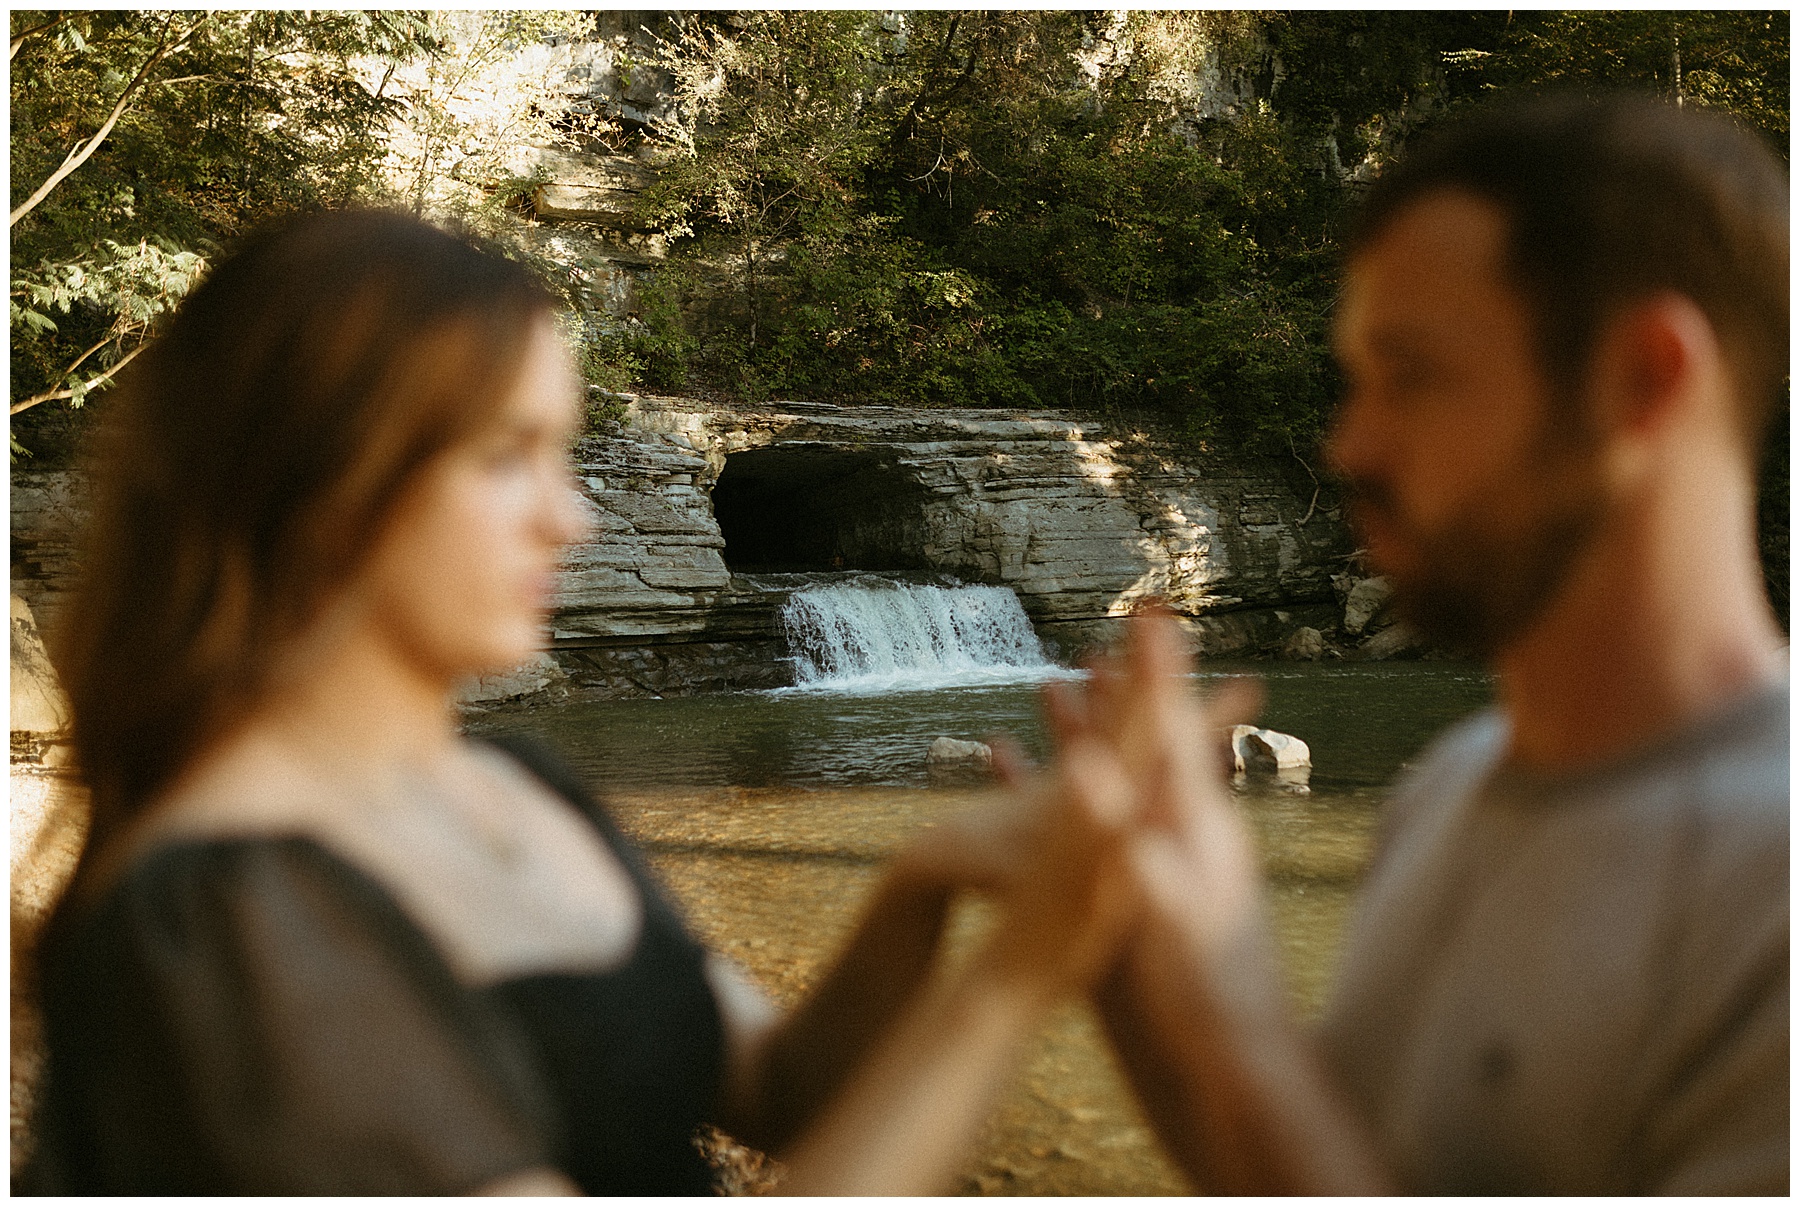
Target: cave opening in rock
pixel 799 508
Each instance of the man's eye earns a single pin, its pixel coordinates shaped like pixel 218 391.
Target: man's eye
pixel 1409 375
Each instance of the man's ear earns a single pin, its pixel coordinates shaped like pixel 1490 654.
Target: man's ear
pixel 1650 364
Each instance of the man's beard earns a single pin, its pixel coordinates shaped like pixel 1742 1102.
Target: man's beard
pixel 1476 589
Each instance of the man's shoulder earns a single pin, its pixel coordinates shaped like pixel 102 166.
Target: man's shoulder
pixel 1626 927
pixel 1740 760
pixel 1730 804
pixel 1732 765
pixel 1721 784
pixel 1449 770
pixel 1471 746
pixel 1716 792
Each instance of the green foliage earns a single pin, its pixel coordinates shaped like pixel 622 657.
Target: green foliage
pixel 876 317
pixel 953 218
pixel 649 350
pixel 223 119
pixel 1025 208
pixel 446 154
pixel 1735 61
pixel 777 152
pixel 138 284
pixel 1135 210
pixel 657 336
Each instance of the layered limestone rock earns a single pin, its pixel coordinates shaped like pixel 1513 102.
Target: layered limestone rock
pixel 562 129
pixel 701 515
pixel 1082 520
pixel 700 510
pixel 48 509
pixel 48 824
pixel 588 187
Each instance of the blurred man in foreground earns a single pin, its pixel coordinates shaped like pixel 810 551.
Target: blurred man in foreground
pixel 1564 331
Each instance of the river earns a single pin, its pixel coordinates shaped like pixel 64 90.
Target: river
pixel 769 815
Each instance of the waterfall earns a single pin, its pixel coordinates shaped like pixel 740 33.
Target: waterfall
pixel 875 635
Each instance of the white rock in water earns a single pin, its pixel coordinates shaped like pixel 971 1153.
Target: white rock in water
pixel 1254 749
pixel 949 750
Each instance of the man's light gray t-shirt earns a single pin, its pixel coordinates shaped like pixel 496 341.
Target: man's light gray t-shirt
pixel 1578 984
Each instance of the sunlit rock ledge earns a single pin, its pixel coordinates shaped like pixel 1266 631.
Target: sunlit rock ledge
pixel 702 513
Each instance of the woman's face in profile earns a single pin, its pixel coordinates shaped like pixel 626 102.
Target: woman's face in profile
pixel 460 583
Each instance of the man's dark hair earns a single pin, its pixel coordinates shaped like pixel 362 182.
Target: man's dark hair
pixel 1610 201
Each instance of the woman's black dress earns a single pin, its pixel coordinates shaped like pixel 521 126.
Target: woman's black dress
pixel 256 1016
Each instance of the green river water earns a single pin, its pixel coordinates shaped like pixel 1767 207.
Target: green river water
pixel 1362 721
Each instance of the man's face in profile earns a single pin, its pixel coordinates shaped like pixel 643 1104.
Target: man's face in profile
pixel 1471 482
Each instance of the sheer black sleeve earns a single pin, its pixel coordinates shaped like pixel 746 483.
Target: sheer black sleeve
pixel 257 1017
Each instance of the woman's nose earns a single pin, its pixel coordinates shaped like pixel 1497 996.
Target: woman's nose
pixel 566 519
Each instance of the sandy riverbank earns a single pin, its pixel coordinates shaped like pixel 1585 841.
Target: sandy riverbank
pixel 776 878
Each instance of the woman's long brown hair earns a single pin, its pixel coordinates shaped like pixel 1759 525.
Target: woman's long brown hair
pixel 247 465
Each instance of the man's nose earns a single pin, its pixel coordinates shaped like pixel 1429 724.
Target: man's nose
pixel 1356 444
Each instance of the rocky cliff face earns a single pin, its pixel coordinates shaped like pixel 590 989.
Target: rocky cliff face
pixel 702 514
pixel 48 509
pixel 48 825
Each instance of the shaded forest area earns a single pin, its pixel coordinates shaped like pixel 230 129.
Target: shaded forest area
pixel 1132 211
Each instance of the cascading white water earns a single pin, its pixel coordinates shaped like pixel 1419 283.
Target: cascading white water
pixel 878 635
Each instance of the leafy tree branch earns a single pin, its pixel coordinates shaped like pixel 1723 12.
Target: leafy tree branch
pixel 83 151
pixel 42 27
pixel 203 126
pixel 81 390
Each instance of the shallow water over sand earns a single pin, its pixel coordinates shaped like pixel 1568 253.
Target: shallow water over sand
pixel 770 814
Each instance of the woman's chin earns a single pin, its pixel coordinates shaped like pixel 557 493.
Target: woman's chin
pixel 511 660
pixel 459 657
pixel 497 658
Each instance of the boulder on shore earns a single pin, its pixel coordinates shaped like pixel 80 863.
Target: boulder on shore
pixel 1304 644
pixel 538 673
pixel 1391 642
pixel 1366 602
pixel 39 707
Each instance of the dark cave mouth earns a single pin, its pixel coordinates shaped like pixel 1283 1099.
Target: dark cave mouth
pixel 810 508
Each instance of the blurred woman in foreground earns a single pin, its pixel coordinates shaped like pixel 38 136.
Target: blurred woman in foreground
pixel 322 943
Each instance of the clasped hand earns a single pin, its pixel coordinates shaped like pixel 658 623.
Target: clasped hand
pixel 1130 831
pixel 1122 871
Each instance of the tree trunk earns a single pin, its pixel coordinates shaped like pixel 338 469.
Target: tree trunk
pixel 1678 96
